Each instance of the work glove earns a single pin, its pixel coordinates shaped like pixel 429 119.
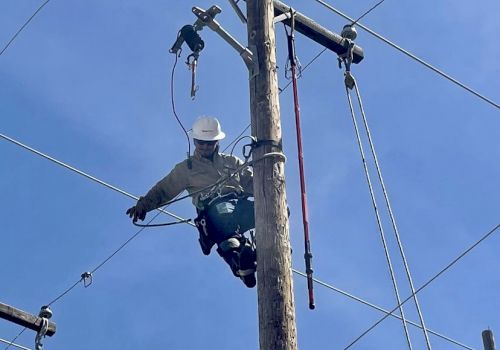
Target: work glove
pixel 138 211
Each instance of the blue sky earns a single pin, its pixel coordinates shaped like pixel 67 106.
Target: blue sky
pixel 87 82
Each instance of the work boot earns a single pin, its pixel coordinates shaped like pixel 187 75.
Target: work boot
pixel 248 265
pixel 249 280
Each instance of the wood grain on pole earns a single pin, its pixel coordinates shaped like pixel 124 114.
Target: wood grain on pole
pixel 277 329
pixel 24 319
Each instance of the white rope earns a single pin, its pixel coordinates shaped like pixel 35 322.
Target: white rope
pixel 391 215
pixel 379 224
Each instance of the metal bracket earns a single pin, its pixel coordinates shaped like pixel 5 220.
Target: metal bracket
pixel 236 8
pixel 206 18
pixel 282 17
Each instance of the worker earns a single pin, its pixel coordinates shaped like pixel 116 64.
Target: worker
pixel 220 187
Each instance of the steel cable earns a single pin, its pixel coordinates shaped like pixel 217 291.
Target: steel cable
pixel 391 215
pixel 15 338
pixel 425 284
pixel 377 215
pixel 373 306
pixel 22 27
pixel 412 56
pixel 390 313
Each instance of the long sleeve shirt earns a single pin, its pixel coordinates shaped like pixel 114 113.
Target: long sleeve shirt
pixel 203 172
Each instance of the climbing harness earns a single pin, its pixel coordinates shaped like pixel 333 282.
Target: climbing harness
pixel 295 72
pixel 45 314
pixel 349 34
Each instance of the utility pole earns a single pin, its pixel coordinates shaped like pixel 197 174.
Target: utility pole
pixel 277 330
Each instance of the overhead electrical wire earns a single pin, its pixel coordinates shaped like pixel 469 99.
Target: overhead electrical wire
pixel 367 12
pixel 22 27
pixel 378 219
pixel 11 343
pixel 173 105
pixel 378 308
pixel 90 177
pixel 391 214
pixel 426 284
pixel 390 313
pixel 412 56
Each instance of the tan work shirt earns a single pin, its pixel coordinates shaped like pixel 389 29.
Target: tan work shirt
pixel 204 172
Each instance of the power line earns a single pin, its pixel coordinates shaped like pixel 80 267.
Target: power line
pixel 378 219
pixel 104 261
pixel 11 343
pixel 90 177
pixel 22 27
pixel 389 209
pixel 412 56
pixel 426 284
pixel 367 12
pixel 390 313
pixel 373 306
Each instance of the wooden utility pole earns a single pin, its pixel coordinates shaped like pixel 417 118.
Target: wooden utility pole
pixel 277 330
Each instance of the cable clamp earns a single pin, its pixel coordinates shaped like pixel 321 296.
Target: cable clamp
pixel 87 279
pixel 249 148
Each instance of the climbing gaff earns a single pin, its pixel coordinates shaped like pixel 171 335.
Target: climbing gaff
pixel 305 218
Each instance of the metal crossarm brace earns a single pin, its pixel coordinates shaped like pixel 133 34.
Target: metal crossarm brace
pixel 314 31
pixel 207 18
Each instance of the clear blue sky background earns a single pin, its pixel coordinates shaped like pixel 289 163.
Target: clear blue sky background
pixel 87 82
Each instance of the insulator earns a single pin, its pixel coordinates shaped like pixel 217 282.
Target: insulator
pixel 349 32
pixel 45 312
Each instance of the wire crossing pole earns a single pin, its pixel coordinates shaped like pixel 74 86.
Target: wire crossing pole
pixel 277 330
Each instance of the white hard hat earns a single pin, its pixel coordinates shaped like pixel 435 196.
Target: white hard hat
pixel 207 129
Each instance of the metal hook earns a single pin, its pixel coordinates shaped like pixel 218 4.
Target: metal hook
pixel 192 62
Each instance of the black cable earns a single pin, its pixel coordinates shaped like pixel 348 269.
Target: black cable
pixel 163 224
pixel 15 338
pixel 489 233
pixel 22 27
pixel 237 137
pixel 367 12
pixel 241 138
pixel 173 105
